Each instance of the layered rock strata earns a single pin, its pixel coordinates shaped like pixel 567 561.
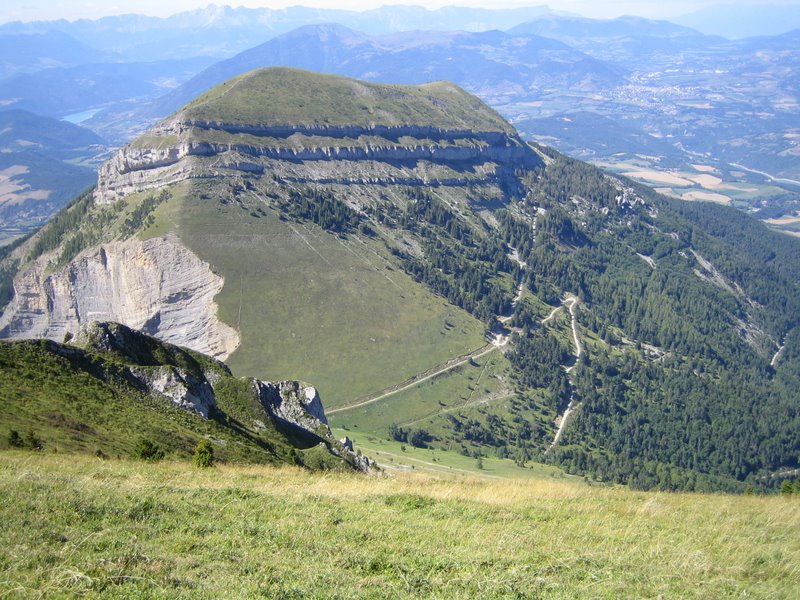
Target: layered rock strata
pixel 180 150
pixel 158 286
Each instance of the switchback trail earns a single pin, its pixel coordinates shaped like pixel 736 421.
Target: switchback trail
pixel 778 354
pixel 520 292
pixel 562 420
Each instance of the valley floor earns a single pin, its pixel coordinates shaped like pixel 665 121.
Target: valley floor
pixel 81 526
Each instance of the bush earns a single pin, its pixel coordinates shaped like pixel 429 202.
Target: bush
pixel 15 439
pixel 32 441
pixel 203 454
pixel 419 438
pixel 147 450
pixel 397 433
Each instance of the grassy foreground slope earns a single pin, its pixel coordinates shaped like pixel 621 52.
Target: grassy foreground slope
pixel 112 387
pixel 113 529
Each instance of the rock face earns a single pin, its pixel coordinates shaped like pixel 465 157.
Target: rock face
pixel 298 406
pixel 156 367
pixel 156 285
pixel 304 127
pixel 185 149
pixel 292 402
pixel 181 387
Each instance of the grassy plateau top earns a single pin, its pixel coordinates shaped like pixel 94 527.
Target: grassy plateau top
pixel 282 96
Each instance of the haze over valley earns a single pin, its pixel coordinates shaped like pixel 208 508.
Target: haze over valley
pixel 696 116
pixel 464 302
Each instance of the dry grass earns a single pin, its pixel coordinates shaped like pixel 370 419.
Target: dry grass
pixel 79 526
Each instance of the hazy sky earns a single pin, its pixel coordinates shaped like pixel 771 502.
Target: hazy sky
pixel 29 10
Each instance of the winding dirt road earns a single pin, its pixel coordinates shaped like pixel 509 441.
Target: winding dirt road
pixel 570 302
pixel 424 376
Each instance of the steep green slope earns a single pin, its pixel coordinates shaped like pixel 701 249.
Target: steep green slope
pixel 311 305
pixel 691 303
pixel 112 387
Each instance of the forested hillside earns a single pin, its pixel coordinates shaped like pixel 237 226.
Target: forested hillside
pixel 445 284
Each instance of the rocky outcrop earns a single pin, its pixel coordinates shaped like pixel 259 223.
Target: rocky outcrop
pixel 156 367
pixel 390 132
pixel 138 159
pixel 156 285
pixel 297 406
pixel 293 403
pixel 190 381
pixel 181 150
pixel 180 387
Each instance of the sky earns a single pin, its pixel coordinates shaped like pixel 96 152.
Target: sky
pixel 31 10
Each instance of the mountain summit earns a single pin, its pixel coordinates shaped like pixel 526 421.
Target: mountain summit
pixel 443 283
pixel 316 127
pixel 247 171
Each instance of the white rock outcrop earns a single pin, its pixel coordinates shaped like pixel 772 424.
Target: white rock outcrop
pixel 298 406
pixel 182 388
pixel 294 403
pixel 158 286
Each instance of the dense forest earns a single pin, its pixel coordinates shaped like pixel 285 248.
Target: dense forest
pixel 710 290
pixel 707 289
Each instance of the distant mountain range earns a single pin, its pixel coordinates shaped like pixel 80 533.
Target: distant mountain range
pixel 668 99
pixel 493 64
pixel 44 163
pixel 62 91
pixel 221 31
pixel 34 51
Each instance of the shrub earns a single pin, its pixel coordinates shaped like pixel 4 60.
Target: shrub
pixel 15 439
pixel 397 433
pixel 147 450
pixel 203 454
pixel 32 441
pixel 419 438
pixel 293 457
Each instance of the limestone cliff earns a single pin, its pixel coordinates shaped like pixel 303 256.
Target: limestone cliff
pixel 156 285
pixel 409 155
pixel 311 128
